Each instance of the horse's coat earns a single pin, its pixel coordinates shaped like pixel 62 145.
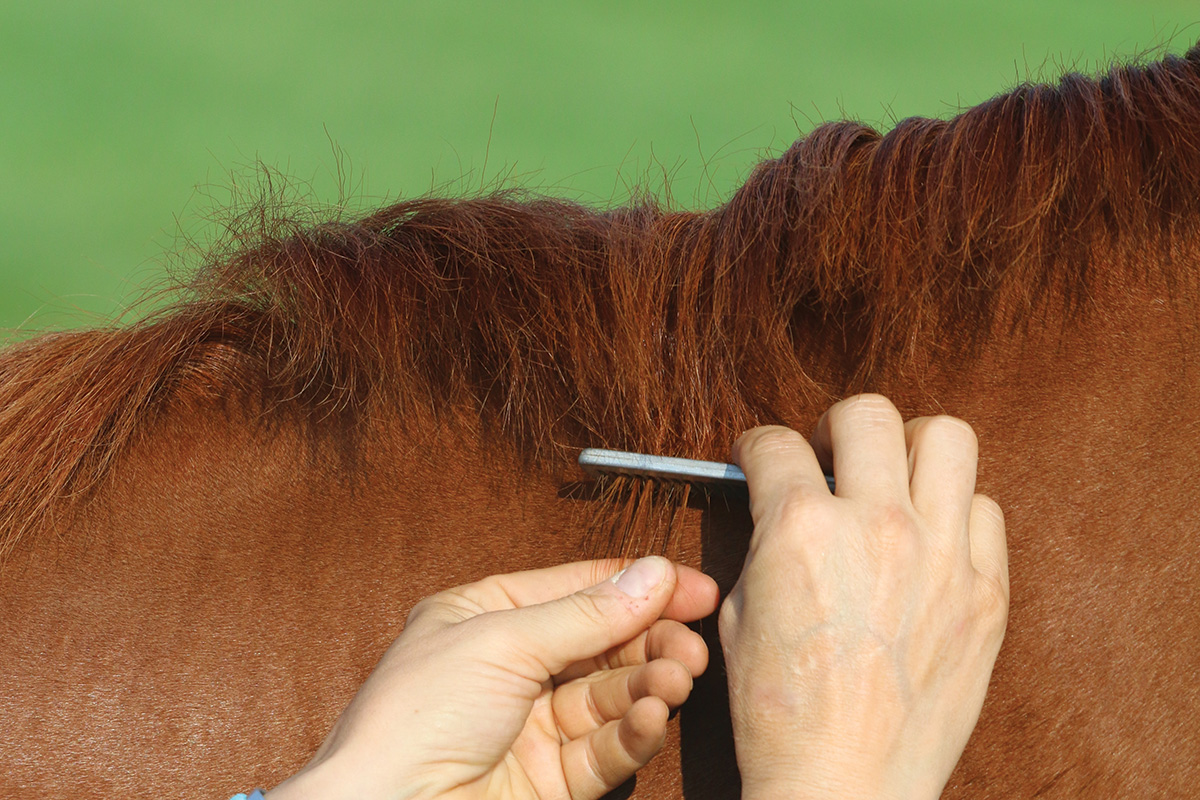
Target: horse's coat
pixel 215 520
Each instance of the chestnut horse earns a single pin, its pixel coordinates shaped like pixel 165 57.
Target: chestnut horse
pixel 214 520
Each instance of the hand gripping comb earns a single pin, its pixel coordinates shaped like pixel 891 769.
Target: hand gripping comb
pixel 597 462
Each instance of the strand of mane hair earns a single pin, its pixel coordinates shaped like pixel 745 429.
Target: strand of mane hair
pixel 638 328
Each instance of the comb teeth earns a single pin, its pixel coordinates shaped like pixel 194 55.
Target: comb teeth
pixel 597 462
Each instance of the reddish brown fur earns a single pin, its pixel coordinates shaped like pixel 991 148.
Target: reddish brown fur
pixel 1030 265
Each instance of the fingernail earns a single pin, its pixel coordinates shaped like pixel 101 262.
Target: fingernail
pixel 640 577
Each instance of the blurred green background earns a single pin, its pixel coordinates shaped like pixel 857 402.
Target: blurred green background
pixel 123 125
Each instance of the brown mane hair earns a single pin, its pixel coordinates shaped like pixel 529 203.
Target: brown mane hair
pixel 636 328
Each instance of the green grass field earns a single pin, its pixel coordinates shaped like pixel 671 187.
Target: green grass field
pixel 124 125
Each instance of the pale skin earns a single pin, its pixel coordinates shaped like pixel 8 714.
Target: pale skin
pixel 861 635
pixel 552 684
pixel 859 641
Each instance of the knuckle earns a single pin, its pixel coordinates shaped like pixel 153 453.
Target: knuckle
pixel 890 517
pixel 727 620
pixel 729 617
pixel 865 409
pixel 421 608
pixel 798 512
pixel 448 606
pixel 894 529
pixel 994 601
pixel 797 529
pixel 591 611
pixel 770 440
pixel 988 510
pixel 951 430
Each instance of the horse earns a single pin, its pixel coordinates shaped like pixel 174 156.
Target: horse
pixel 215 519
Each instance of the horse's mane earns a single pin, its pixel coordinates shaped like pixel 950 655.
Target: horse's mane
pixel 638 327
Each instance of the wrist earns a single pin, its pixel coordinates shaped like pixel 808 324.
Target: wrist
pixel 321 780
pixel 829 783
pixel 801 787
pixel 790 790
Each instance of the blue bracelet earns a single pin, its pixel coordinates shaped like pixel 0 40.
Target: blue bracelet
pixel 255 795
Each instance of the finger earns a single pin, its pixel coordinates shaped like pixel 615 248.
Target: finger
pixel 942 454
pixel 695 593
pixel 535 586
pixel 541 640
pixel 862 440
pixel 509 591
pixel 989 544
pixel 779 464
pixel 585 705
pixel 606 758
pixel 664 639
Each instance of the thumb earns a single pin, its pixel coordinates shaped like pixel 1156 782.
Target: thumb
pixel 589 622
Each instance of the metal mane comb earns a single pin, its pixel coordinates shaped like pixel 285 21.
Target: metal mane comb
pixel 597 462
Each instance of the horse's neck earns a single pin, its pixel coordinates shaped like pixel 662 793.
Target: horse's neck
pixel 1087 428
pixel 231 587
pixel 236 580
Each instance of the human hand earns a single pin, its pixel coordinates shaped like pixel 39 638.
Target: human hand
pixel 548 684
pixel 861 635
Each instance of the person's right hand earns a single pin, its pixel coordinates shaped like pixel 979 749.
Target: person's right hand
pixel 861 635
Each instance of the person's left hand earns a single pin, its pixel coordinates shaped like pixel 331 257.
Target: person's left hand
pixel 552 684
